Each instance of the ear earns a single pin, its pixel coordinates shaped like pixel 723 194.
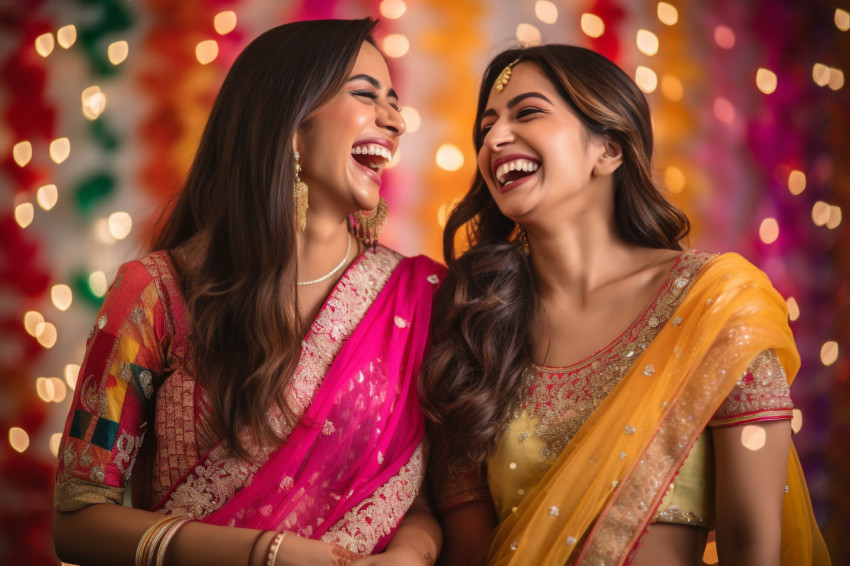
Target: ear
pixel 295 140
pixel 610 160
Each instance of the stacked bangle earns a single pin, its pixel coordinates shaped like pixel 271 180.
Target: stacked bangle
pixel 274 547
pixel 154 542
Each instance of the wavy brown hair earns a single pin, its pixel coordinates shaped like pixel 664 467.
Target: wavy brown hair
pixel 482 315
pixel 238 198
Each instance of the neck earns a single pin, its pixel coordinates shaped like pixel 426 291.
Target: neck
pixel 321 247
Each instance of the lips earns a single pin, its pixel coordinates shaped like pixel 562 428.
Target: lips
pixel 371 156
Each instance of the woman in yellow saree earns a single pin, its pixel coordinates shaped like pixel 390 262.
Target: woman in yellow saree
pixel 674 421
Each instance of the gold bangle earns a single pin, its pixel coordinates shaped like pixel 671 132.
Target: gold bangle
pixel 166 539
pixel 150 539
pixel 274 547
pixel 254 545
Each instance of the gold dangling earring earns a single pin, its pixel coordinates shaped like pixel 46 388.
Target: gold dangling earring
pixel 367 224
pixel 300 196
pixel 523 239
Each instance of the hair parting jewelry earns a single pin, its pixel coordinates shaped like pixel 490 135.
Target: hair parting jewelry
pixel 332 271
pixel 301 204
pixel 367 224
pixel 504 77
pixel 274 547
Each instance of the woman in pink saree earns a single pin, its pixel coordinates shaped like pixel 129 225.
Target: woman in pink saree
pixel 259 391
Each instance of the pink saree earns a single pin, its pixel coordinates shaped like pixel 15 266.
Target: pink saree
pixel 348 470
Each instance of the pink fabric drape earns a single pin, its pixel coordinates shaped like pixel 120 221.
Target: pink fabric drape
pixel 362 425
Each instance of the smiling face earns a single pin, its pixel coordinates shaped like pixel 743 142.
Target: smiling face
pixel 536 155
pixel 346 144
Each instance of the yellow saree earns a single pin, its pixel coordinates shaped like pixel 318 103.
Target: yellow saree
pixel 593 505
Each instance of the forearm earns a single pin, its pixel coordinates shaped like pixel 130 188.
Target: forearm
pixel 418 536
pixel 108 535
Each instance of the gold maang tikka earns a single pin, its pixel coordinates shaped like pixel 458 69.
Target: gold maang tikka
pixel 504 77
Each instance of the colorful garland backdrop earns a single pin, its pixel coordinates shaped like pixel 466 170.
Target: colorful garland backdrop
pixel 103 102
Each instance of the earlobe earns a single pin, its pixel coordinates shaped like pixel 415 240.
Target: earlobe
pixel 610 160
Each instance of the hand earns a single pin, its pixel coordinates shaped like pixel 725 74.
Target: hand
pixel 397 556
pixel 298 551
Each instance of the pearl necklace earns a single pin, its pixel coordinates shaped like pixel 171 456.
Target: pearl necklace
pixel 332 271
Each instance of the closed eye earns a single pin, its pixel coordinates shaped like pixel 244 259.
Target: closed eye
pixel 372 95
pixel 528 111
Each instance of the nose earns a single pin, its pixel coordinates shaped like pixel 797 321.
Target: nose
pixel 390 119
pixel 499 135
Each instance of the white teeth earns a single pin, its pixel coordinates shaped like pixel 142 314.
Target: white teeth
pixel 516 164
pixel 372 149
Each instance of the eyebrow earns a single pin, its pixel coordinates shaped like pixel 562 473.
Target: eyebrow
pixel 516 100
pixel 374 82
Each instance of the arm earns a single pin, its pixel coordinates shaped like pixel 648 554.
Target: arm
pixel 750 487
pixel 417 540
pixel 468 532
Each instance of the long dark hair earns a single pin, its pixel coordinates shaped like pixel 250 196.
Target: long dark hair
pixel 240 289
pixel 483 313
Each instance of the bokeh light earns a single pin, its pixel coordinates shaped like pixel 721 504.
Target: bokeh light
pixel 224 22
pixel 72 372
pixel 449 157
pixel 22 152
pixel 393 9
pixel 44 44
pixel 61 296
pixel 206 51
pixel 120 224
pixel 674 179
pixel 98 283
pixel 842 19
pixel 528 35
pixel 796 182
pixel 793 309
pixel 667 14
pixel 592 25
pixel 647 42
pixel 117 52
pixel 671 87
pixel 769 230
pixel 24 214
pixel 766 80
pixel 47 196
pixel 646 79
pixel 753 437
pixel 724 37
pixel 829 353
pixel 411 118
pixel 66 36
pixel 396 45
pixel 60 149
pixel 19 440
pixel 546 12
pixel 94 102
pixel 724 111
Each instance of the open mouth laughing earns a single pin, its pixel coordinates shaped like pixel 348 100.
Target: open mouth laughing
pixel 510 170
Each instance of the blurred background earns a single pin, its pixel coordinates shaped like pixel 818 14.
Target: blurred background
pixel 102 103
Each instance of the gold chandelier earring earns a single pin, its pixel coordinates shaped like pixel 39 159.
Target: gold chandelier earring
pixel 367 224
pixel 522 237
pixel 300 196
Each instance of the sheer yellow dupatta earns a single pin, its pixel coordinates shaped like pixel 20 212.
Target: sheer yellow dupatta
pixel 593 505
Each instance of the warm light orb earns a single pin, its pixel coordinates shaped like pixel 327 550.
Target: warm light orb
pixel 793 309
pixel 393 9
pixel 769 230
pixel 117 52
pixel 674 179
pixel 101 232
pixel 646 79
pixel 667 13
pixel 796 182
pixel 66 36
pixel 842 19
pixel 710 556
pixel 22 152
pixel 55 443
pixel 411 118
pixel 647 42
pixel 820 74
pixel 445 210
pixel 796 420
pixel 449 157
pixel 829 353
pixel 61 296
pixel 45 389
pixel 528 35
pixel 60 390
pixel 671 88
pixel 766 80
pixel 98 283
pixel 834 220
pixel 44 44
pixel 753 437
pixel 46 334
pixel 19 440
pixel 24 214
pixel 60 149
pixel 546 12
pixel 94 102
pixel 820 213
pixel 396 45
pixel 32 320
pixel 72 372
pixel 836 78
pixel 206 51
pixel 224 22
pixel 592 25
pixel 724 37
pixel 724 111
pixel 47 196
pixel 120 225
